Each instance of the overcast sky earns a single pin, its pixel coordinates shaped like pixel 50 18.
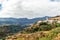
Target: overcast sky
pixel 29 8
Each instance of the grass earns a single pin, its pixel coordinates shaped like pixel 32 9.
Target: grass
pixel 44 38
pixel 20 39
pixel 52 34
pixel 49 35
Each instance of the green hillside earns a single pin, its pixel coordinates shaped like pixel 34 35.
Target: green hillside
pixel 41 31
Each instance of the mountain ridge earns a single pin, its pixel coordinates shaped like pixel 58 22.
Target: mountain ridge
pixel 21 20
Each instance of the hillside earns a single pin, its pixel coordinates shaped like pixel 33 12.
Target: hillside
pixel 43 35
pixel 42 31
pixel 6 30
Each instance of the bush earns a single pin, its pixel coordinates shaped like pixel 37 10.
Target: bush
pixel 45 27
pixel 43 23
pixel 57 25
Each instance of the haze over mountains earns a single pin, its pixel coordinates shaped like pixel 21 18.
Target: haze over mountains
pixel 21 20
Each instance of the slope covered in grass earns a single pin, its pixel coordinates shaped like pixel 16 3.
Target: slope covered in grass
pixel 42 35
pixel 52 34
pixel 42 31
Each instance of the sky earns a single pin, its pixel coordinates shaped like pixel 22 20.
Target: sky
pixel 29 8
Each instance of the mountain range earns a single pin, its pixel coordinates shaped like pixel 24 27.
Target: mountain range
pixel 21 20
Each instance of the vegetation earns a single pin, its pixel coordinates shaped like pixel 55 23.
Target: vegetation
pixel 53 29
pixel 44 35
pixel 6 30
pixel 46 31
pixel 43 26
pixel 52 34
pixel 20 39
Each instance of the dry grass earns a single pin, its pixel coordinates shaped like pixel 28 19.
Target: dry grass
pixel 57 37
pixel 32 36
pixel 53 34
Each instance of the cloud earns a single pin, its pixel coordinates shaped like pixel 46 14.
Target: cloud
pixel 30 8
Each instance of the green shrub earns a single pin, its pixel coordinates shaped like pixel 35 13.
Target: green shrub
pixel 45 27
pixel 43 23
pixel 57 25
